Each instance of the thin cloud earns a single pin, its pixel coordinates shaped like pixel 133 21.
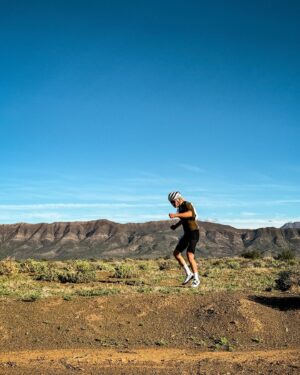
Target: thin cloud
pixel 211 203
pixel 18 207
pixel 258 223
pixel 191 168
pixel 262 186
pixel 246 213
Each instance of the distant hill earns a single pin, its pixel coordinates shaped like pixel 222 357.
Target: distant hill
pixel 106 239
pixel 291 225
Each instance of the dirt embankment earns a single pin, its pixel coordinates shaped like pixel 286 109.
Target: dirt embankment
pixel 153 334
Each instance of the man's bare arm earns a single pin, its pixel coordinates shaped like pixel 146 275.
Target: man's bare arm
pixel 175 226
pixel 183 215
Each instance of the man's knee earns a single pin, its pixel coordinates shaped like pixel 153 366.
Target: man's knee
pixel 190 255
pixel 176 253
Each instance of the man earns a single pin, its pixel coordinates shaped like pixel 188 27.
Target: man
pixel 187 215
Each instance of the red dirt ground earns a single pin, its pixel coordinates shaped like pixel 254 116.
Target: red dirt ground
pixel 220 333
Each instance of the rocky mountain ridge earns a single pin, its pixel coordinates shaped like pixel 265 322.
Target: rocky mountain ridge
pixel 291 225
pixel 106 239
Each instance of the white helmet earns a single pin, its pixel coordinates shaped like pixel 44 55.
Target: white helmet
pixel 174 195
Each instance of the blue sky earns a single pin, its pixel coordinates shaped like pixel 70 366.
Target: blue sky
pixel 106 106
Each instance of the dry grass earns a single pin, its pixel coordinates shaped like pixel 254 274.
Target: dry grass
pixel 29 280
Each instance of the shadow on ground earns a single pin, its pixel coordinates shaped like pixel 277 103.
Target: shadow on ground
pixel 281 303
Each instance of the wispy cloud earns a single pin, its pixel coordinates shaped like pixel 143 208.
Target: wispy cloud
pixel 18 207
pixel 264 187
pixel 253 223
pixel 191 168
pixel 218 203
pixel 246 213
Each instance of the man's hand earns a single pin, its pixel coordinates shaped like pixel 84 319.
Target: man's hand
pixel 172 216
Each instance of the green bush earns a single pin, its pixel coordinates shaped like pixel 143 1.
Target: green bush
pixel 8 266
pixel 126 271
pixel 233 265
pixel 252 254
pixel 165 265
pixel 145 266
pixel 48 274
pixel 258 263
pixel 285 254
pixel 96 292
pixel 286 280
pixel 31 296
pixel 222 343
pixel 104 266
pixel 65 276
pixel 76 277
pixel 33 266
pixel 83 266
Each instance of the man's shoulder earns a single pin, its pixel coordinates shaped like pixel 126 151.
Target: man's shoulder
pixel 188 205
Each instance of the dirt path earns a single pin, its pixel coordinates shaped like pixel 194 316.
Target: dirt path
pixel 149 361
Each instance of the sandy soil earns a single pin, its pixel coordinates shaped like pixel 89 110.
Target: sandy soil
pixel 221 333
pixel 150 361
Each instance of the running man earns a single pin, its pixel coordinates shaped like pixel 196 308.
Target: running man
pixel 187 215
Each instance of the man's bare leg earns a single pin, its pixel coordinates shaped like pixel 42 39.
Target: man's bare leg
pixel 193 263
pixel 181 261
pixel 179 258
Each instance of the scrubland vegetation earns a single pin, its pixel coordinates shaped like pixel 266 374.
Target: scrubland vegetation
pixel 31 279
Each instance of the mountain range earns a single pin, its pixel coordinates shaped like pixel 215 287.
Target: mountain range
pixel 291 225
pixel 107 239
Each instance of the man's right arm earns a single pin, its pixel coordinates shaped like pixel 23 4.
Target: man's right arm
pixel 175 226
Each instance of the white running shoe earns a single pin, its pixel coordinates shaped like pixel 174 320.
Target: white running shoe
pixel 195 283
pixel 188 278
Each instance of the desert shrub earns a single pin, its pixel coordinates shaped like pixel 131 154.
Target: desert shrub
pixel 145 289
pixel 126 271
pixel 223 263
pixel 165 265
pixel 285 254
pixel 76 277
pixel 222 343
pixel 258 263
pixel 4 290
pixel 252 254
pixel 31 296
pixel 233 265
pixel 144 266
pixel 48 274
pixel 104 266
pixel 67 297
pixel 286 280
pixel 32 266
pixel 216 262
pixel 8 266
pixel 66 276
pixel 83 266
pixel 161 342
pixel 97 292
